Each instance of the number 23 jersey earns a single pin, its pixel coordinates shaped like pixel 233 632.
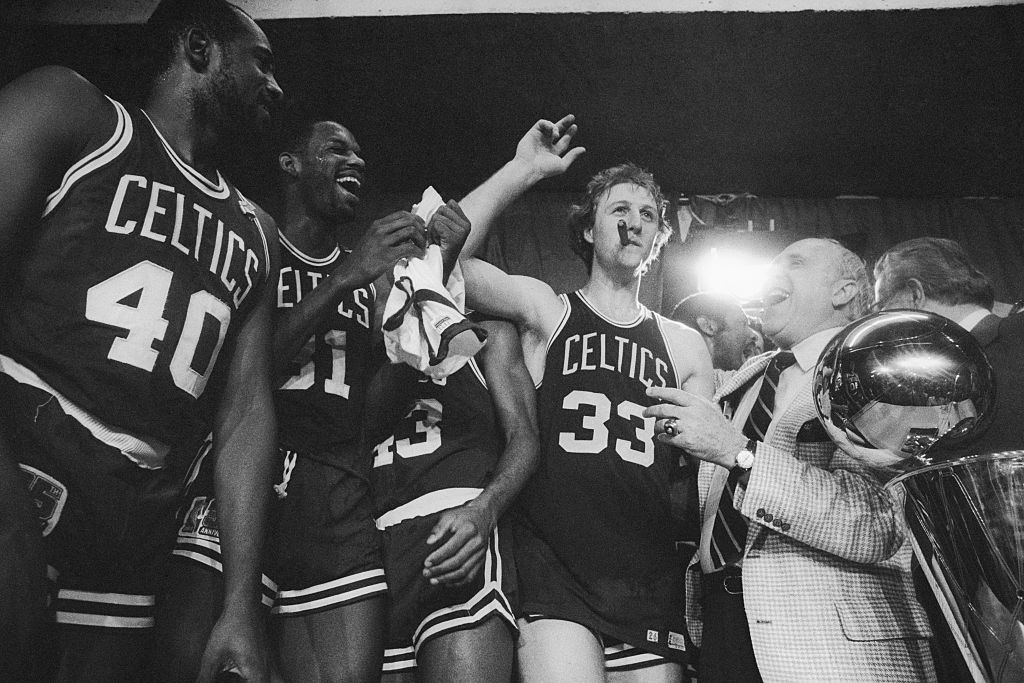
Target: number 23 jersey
pixel 134 284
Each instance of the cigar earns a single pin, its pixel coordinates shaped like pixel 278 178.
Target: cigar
pixel 623 232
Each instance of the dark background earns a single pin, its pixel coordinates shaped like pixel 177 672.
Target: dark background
pixel 910 105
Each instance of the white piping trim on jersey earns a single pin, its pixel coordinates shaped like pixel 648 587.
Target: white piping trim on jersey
pixel 106 598
pixel 306 258
pixel 428 504
pixel 624 325
pixel 102 620
pixel 402 659
pixel 147 453
pixel 218 190
pixel 99 157
pixel 259 225
pixel 554 333
pixel 475 367
pixel 668 347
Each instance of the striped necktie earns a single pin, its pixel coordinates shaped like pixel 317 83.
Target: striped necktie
pixel 729 534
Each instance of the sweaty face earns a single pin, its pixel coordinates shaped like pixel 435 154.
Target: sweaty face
pixel 635 207
pixel 331 174
pixel 237 98
pixel 733 336
pixel 799 292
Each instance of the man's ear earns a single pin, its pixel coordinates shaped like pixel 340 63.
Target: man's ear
pixel 197 48
pixel 289 163
pixel 917 295
pixel 588 235
pixel 843 292
pixel 707 326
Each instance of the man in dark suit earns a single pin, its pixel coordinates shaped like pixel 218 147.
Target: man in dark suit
pixel 936 275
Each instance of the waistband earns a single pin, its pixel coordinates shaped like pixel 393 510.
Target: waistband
pixel 427 504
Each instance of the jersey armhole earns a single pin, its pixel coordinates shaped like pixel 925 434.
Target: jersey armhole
pixel 98 158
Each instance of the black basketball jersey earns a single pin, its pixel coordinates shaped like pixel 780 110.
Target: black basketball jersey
pixel 132 286
pixel 599 501
pixel 450 439
pixel 320 403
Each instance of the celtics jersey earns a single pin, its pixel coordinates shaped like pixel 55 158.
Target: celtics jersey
pixel 449 439
pixel 598 545
pixel 130 290
pixel 320 403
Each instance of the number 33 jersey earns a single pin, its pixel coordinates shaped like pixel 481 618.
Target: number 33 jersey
pixel 134 284
pixel 598 506
pixel 320 403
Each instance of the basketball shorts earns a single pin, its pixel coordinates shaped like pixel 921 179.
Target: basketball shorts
pixel 107 523
pixel 419 611
pixel 646 615
pixel 322 551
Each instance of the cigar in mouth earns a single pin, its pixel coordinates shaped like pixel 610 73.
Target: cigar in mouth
pixel 623 232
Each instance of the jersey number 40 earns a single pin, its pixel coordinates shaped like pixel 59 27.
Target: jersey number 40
pixel 134 300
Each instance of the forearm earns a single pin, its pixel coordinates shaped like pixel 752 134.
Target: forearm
pixel 517 464
pixel 242 479
pixel 838 511
pixel 484 204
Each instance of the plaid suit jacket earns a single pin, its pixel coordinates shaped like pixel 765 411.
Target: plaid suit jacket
pixel 826 569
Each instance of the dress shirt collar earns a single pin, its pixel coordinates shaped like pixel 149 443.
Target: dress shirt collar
pixel 808 350
pixel 969 321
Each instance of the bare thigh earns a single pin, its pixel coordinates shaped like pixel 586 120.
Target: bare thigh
pixel 557 651
pixel 342 644
pixel 483 653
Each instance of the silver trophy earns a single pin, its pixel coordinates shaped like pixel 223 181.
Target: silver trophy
pixel 908 390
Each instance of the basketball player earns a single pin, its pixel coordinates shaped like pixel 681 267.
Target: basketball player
pixel 443 476
pixel 136 313
pixel 324 570
pixel 595 552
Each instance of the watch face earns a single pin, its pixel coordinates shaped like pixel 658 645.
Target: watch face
pixel 745 459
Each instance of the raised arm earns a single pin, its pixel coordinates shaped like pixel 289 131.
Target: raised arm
pixel 399 235
pixel 543 152
pixel 465 530
pixel 244 437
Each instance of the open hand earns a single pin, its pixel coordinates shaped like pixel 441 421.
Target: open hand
pixel 465 532
pixel 700 427
pixel 546 147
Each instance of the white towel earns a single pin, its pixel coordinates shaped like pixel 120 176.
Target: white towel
pixel 424 322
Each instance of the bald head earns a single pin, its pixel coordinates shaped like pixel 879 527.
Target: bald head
pixel 815 284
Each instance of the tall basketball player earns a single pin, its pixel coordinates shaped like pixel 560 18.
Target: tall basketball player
pixel 599 578
pixel 137 300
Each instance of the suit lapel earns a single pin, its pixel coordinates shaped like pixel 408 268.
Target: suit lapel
pixel 987 329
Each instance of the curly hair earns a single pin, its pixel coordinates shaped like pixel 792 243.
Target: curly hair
pixel 582 215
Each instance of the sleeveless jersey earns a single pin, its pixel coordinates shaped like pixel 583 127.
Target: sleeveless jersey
pixel 450 439
pixel 320 404
pixel 598 505
pixel 132 286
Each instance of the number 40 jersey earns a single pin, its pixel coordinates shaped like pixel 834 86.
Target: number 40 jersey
pixel 320 404
pixel 132 286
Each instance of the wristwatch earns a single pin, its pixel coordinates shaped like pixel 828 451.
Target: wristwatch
pixel 745 458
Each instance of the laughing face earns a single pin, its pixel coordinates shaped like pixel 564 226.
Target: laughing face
pixel 626 228
pixel 330 172
pixel 801 292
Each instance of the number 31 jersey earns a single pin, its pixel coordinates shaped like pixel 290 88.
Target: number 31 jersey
pixel 134 284
pixel 320 404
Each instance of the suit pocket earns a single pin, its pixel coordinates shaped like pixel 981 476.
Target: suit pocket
pixel 875 618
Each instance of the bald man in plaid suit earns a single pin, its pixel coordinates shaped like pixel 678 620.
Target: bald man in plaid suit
pixel 803 571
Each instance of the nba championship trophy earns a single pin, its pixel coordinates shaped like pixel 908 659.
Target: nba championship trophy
pixel 908 390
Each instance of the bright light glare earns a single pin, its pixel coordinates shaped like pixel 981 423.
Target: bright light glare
pixel 732 272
